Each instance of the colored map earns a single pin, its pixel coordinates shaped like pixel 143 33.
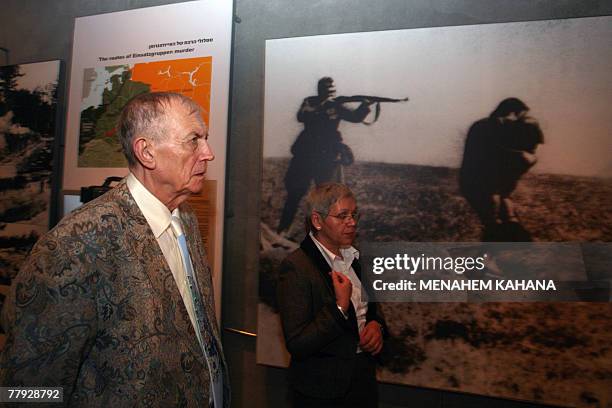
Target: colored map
pixel 107 89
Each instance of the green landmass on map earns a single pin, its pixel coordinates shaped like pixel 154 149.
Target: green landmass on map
pixel 112 68
pixel 98 142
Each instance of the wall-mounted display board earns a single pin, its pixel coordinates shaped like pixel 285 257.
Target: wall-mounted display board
pixel 183 47
pixel 506 136
pixel 28 132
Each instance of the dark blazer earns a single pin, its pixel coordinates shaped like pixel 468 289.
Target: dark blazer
pixel 95 310
pixel 322 343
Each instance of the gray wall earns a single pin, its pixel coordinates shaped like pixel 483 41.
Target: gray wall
pixel 37 30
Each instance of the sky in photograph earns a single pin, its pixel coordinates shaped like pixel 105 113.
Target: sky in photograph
pixel 453 77
pixel 38 75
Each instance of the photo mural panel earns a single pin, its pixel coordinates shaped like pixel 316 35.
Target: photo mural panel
pixel 423 170
pixel 28 117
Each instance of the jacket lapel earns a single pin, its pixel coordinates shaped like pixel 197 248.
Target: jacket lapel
pixel 310 248
pixel 356 267
pixel 158 271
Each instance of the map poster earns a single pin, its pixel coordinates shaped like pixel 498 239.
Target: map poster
pixel 106 89
pixel 203 204
pixel 182 48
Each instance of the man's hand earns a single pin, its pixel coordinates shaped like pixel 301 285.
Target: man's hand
pixel 370 338
pixel 342 289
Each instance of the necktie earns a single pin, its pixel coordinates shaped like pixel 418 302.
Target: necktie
pixel 209 349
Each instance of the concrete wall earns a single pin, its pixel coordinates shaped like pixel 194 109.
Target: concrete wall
pixel 37 30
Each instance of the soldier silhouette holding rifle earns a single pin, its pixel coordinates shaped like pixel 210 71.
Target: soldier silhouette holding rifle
pixel 318 152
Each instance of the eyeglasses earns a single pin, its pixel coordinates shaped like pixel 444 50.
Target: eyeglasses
pixel 344 216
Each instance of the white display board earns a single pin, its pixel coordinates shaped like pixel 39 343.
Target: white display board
pixel 183 48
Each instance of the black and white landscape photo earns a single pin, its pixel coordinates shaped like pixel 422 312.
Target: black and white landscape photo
pixel 496 132
pixel 28 106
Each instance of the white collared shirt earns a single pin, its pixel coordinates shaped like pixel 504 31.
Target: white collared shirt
pixel 159 218
pixel 342 264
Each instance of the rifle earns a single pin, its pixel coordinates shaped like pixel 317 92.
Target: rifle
pixel 372 99
pixel 363 98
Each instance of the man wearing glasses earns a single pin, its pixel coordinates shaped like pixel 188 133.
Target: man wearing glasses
pixel 330 329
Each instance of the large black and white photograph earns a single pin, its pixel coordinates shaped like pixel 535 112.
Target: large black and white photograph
pixel 28 106
pixel 496 132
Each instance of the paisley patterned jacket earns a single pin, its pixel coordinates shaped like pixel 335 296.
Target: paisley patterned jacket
pixel 95 310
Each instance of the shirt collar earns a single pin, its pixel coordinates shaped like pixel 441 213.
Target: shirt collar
pixel 155 212
pixel 348 254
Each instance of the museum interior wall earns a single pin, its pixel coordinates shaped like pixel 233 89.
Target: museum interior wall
pixel 39 30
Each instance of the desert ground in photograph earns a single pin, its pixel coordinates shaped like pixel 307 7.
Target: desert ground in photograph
pixel 555 353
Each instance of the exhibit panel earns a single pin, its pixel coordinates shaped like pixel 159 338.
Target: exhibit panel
pixel 28 175
pixel 422 171
pixel 117 56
